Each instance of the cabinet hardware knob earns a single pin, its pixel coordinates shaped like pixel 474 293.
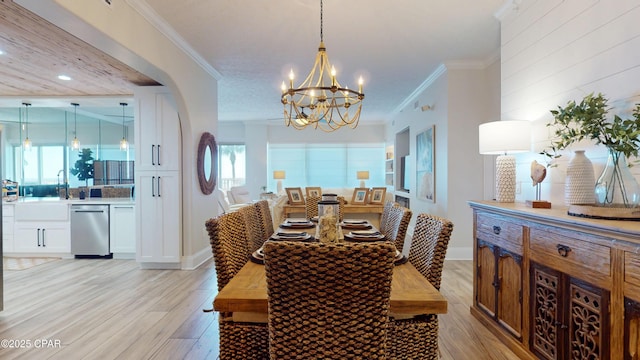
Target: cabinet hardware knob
pixel 563 250
pixel 562 326
pixel 496 229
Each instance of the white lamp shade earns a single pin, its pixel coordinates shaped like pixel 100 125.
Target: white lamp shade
pixel 278 174
pixel 504 137
pixel 362 175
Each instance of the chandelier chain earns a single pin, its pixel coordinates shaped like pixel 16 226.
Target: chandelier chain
pixel 321 32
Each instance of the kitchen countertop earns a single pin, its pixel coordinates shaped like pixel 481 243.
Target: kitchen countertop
pixel 87 201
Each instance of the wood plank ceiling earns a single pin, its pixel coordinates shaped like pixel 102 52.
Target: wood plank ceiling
pixel 35 52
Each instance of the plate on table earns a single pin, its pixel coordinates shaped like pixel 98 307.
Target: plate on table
pixel 400 259
pixel 355 221
pixel 306 225
pixel 364 235
pixel 356 226
pixel 257 256
pixel 291 236
pixel 300 223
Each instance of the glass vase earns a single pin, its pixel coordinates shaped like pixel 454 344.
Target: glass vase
pixel 616 186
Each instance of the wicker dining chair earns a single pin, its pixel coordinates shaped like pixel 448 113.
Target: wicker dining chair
pixel 328 301
pixel 265 218
pixel 417 338
pixel 397 224
pixel 311 206
pixel 253 226
pixel 228 238
pixel 385 215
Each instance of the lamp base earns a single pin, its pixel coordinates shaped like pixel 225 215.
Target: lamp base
pixel 505 178
pixel 279 187
pixel 538 204
pixel 362 183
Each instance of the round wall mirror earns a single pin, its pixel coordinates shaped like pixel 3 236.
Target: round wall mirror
pixel 207 163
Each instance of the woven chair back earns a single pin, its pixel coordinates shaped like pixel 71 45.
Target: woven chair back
pixel 385 215
pixel 228 238
pixel 265 218
pixel 311 206
pixel 397 225
pixel 253 225
pixel 429 246
pixel 328 301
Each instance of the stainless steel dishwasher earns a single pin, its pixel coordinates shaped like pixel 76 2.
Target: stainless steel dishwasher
pixel 90 230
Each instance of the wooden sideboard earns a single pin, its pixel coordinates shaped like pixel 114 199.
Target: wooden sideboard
pixel 554 286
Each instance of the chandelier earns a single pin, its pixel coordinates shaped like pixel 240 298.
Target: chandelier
pixel 320 101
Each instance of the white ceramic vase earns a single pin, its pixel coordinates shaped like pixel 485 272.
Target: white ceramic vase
pixel 580 181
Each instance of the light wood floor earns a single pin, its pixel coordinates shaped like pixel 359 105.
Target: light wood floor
pixel 110 309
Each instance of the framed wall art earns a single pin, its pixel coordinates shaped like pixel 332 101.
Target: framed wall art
pixel 377 195
pixel 295 196
pixel 313 191
pixel 359 196
pixel 425 165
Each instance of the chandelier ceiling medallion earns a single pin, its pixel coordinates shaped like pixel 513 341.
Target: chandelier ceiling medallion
pixel 320 101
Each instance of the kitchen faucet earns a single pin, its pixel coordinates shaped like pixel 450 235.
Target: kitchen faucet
pixel 58 187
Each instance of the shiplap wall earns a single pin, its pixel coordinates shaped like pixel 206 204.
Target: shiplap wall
pixel 553 51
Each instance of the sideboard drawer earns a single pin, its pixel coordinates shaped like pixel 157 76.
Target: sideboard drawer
pixel 499 231
pixel 570 254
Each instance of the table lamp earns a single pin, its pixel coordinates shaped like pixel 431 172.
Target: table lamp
pixel 504 138
pixel 362 176
pixel 279 175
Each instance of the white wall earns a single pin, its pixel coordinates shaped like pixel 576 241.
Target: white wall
pixel 462 97
pixel 554 51
pixel 257 135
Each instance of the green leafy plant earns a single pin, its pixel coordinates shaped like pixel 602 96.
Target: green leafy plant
pixel 588 120
pixel 83 168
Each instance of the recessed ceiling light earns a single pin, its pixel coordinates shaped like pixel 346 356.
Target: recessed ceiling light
pixel 64 77
pixel 1 52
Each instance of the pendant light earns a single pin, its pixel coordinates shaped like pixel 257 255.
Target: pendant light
pixel 75 143
pixel 124 144
pixel 26 144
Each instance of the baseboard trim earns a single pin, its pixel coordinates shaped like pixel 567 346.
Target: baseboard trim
pixel 194 261
pixel 459 253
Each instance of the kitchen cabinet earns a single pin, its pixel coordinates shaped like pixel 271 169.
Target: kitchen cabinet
pixel 42 237
pixel 158 186
pixel 157 130
pixel 580 284
pixel 7 228
pixel 41 228
pixel 122 229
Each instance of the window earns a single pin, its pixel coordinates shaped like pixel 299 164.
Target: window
pixel 231 166
pixel 326 165
pixel 41 164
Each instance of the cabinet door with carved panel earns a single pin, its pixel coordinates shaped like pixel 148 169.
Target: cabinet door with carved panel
pixel 569 318
pixel 510 292
pixel 486 276
pixel 631 329
pixel 499 282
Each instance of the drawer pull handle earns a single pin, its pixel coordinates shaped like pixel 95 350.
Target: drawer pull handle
pixel 496 229
pixel 563 250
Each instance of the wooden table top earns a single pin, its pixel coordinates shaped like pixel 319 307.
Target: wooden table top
pixel 411 293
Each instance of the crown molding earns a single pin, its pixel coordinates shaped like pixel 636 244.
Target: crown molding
pixel 441 69
pixel 142 8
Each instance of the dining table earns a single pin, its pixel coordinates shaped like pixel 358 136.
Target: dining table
pixel 411 292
